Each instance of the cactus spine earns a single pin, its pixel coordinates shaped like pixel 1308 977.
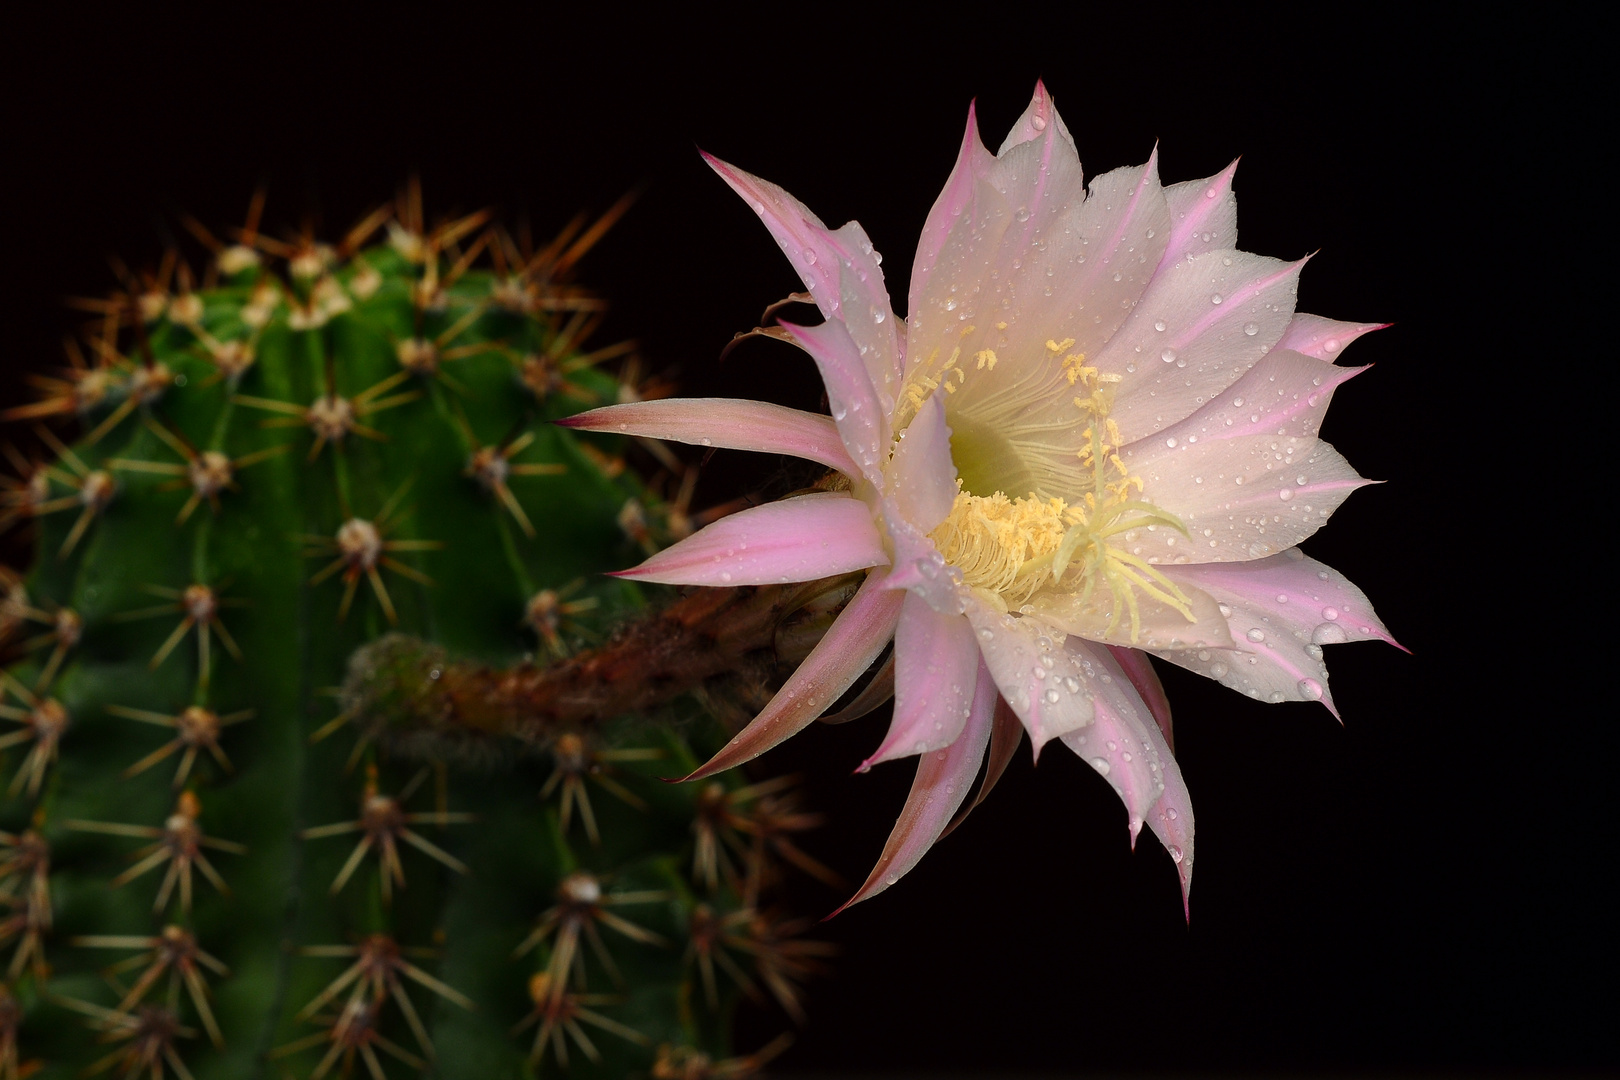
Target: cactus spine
pixel 287 798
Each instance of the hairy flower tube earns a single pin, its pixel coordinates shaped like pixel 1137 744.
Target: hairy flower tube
pixel 1093 438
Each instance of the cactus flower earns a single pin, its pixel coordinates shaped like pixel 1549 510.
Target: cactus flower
pixel 1093 438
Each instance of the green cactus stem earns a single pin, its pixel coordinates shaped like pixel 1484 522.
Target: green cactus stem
pixel 324 756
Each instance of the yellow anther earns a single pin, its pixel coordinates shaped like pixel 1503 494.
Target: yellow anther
pixel 1011 549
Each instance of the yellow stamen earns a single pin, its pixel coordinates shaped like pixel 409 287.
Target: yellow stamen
pixel 1014 548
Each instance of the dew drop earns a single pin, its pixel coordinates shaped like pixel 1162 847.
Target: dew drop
pixel 1051 697
pixel 1170 442
pixel 1328 634
pixel 1330 613
pixel 1101 765
pixel 1256 635
pixel 1285 494
pixel 1215 299
pixel 1251 329
pixel 1159 326
pixel 1310 689
pixel 1168 356
pixel 1331 345
pixel 1218 670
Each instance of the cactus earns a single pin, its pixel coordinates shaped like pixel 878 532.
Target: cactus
pixel 307 772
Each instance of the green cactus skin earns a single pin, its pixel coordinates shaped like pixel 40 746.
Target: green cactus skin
pixel 386 413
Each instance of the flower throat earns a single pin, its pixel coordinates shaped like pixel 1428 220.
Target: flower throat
pixel 1012 548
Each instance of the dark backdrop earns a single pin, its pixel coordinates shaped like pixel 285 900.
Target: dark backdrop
pixel 1423 888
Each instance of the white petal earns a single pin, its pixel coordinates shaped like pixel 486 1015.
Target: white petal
pixel 1203 215
pixel 1043 683
pixel 922 477
pixel 1281 610
pixel 1120 741
pixel 1240 499
pixel 1325 339
pixel 1208 306
pixel 936 669
pixel 1160 626
pixel 1286 393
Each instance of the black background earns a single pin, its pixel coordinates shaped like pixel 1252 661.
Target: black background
pixel 1425 888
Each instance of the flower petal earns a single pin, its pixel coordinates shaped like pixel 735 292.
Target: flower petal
pixel 1006 732
pixel 1171 820
pixel 1061 296
pixel 918 566
pixel 922 475
pixel 1282 610
pixel 1139 669
pixel 863 422
pixel 942 782
pixel 1286 393
pixel 1044 684
pixel 1121 743
pixel 1033 121
pixel 840 268
pixel 878 691
pixel 936 665
pixel 1323 338
pixel 1037 170
pixel 1220 313
pixel 799 539
pixel 972 161
pixel 853 641
pixel 1203 216
pixel 1159 626
pixel 724 422
pixel 1240 499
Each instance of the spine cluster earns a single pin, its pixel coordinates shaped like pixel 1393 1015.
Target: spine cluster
pixel 299 778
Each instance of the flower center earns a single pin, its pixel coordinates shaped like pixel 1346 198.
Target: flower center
pixel 1012 548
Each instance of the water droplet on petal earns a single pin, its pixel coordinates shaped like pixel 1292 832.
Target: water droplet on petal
pixel 1256 635
pixel 1310 689
pixel 1251 329
pixel 1101 765
pixel 1328 634
pixel 1168 356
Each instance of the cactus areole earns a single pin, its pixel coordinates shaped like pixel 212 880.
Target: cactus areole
pixel 324 755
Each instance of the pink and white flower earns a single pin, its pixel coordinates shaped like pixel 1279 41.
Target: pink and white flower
pixel 1092 438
